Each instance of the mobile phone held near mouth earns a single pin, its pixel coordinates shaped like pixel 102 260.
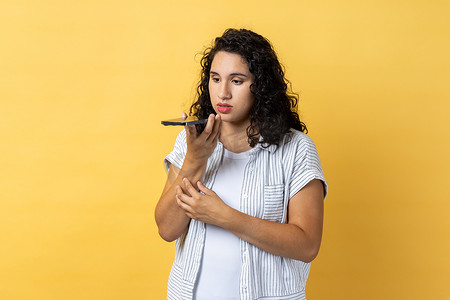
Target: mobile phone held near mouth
pixel 180 122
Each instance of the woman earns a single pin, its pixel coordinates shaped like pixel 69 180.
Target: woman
pixel 244 195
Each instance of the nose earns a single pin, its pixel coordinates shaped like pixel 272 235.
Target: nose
pixel 224 91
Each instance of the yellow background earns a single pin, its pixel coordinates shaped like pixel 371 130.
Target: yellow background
pixel 84 85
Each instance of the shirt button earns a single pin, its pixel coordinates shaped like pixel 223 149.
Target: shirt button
pixel 244 196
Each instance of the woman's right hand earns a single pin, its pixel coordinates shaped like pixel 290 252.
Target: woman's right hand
pixel 172 220
pixel 201 146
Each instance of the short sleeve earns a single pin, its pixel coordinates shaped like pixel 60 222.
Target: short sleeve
pixel 176 157
pixel 307 165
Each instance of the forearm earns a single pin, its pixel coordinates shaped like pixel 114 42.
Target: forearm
pixel 286 240
pixel 171 219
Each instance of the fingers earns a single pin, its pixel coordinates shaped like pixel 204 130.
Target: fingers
pixel 190 130
pixel 212 129
pixel 209 126
pixel 184 202
pixel 181 204
pixel 189 188
pixel 216 129
pixel 182 198
pixel 180 194
pixel 203 188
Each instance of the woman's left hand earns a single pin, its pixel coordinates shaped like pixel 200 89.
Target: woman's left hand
pixel 206 207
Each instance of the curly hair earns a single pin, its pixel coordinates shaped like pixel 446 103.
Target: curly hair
pixel 274 109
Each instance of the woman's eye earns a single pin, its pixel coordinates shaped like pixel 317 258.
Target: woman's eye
pixel 236 81
pixel 215 79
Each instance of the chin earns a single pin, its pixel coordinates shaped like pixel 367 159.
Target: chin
pixel 225 119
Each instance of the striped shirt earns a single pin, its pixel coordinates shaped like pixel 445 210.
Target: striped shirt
pixel 272 176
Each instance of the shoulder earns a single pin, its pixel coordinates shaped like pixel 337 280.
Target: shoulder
pixel 296 142
pixel 298 136
pixel 306 164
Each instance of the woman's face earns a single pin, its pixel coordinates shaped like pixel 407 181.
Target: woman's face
pixel 229 88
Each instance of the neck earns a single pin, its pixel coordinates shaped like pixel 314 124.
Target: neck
pixel 234 138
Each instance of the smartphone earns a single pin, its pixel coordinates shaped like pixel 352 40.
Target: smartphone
pixel 180 122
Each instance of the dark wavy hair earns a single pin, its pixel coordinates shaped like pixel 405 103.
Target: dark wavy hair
pixel 274 109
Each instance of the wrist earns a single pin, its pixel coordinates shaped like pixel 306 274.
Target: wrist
pixel 193 168
pixel 227 217
pixel 194 160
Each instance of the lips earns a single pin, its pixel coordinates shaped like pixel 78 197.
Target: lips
pixel 224 107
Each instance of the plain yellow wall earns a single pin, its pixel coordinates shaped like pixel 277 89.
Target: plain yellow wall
pixel 84 85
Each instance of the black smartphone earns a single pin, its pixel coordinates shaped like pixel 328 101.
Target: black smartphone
pixel 180 122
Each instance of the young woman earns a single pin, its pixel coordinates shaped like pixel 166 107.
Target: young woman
pixel 244 195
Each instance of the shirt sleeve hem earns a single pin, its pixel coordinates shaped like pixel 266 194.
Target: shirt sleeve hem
pixel 309 175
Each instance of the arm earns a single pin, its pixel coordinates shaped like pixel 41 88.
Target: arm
pixel 298 239
pixel 170 218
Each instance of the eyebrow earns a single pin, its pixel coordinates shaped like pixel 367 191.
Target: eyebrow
pixel 232 74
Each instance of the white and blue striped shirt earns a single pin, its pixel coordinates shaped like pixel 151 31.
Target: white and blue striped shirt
pixel 272 176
